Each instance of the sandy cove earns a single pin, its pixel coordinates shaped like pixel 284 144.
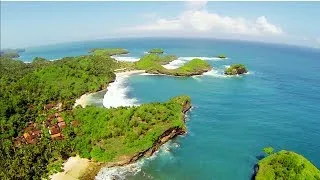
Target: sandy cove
pixel 74 167
pixel 83 100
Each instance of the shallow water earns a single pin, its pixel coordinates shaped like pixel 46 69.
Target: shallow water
pixel 232 118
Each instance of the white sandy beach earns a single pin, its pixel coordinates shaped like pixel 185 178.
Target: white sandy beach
pixel 73 169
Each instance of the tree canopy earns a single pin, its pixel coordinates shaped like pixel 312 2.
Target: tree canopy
pixel 286 165
pixel 236 69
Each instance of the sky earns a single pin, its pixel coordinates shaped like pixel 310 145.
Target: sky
pixel 26 24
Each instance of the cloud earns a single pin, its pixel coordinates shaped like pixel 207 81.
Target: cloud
pixel 196 5
pixel 198 20
pixel 159 25
pixel 318 40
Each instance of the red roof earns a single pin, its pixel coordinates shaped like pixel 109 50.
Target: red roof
pixel 60 119
pixel 54 129
pixel 62 124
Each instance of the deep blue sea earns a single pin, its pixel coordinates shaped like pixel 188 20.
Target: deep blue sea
pixel 233 118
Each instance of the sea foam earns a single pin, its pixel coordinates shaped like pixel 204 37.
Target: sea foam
pixel 121 172
pixel 116 94
pixel 182 60
pixel 127 59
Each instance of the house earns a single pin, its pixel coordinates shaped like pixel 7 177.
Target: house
pixel 60 119
pixel 54 129
pixel 36 133
pixel 62 124
pixel 48 106
pixel 57 136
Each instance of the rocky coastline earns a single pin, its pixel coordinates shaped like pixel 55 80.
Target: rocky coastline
pixel 169 134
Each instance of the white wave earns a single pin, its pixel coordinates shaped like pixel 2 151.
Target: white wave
pixel 148 74
pixel 127 59
pixel 218 73
pixel 116 94
pixel 200 57
pixel 121 172
pixel 174 64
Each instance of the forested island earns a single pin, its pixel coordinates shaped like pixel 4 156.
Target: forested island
pixel 109 51
pixel 236 69
pixel 152 63
pixel 285 165
pixel 156 51
pixel 38 121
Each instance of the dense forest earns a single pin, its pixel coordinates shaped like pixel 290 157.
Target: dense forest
pixel 37 97
pixel 26 88
pixel 152 63
pixel 286 165
pixel 236 69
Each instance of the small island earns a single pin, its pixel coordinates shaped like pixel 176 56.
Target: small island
pixel 236 69
pixel 222 56
pixel 152 63
pixel 109 51
pixel 156 51
pixel 285 165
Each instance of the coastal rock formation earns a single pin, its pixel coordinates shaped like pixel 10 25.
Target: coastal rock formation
pixel 221 56
pixel 236 69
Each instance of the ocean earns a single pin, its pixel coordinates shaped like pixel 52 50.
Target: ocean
pixel 233 118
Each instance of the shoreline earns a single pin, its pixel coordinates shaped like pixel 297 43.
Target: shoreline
pixel 83 101
pixel 73 168
pixel 82 168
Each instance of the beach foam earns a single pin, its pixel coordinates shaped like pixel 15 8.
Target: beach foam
pixel 121 172
pixel 127 59
pixel 174 64
pixel 182 60
pixel 116 94
pixel 201 57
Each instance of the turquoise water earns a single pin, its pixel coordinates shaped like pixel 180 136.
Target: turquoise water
pixel 232 118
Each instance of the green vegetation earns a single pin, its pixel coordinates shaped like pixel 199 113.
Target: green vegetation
pixel 109 51
pixel 24 90
pixel 268 150
pixel 27 88
pixel 286 165
pixel 153 60
pixel 236 69
pixel 152 63
pixel 222 56
pixel 122 132
pixel 156 51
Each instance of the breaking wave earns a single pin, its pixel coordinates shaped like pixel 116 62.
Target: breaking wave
pixel 121 172
pixel 127 59
pixel 116 94
pixel 175 64
pixel 201 57
pixel 182 60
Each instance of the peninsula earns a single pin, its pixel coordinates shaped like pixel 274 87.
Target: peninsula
pixel 152 63
pixel 39 121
